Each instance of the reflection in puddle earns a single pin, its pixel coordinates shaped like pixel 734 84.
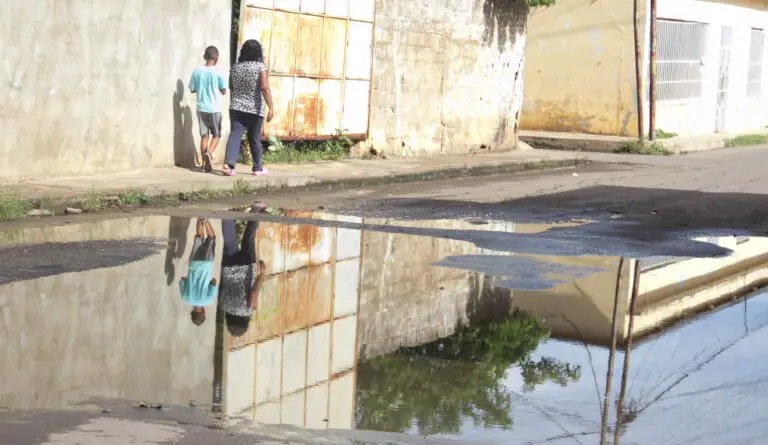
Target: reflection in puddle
pixel 335 326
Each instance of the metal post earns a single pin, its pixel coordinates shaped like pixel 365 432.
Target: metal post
pixel 611 356
pixel 639 72
pixel 652 77
pixel 628 350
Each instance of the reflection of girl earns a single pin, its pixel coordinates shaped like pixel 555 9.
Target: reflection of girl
pixel 198 288
pixel 241 275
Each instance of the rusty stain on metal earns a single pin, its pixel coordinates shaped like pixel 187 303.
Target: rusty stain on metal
pixel 297 299
pixel 305 106
pixel 270 307
pixel 310 44
pixel 282 92
pixel 332 57
pixel 309 48
pixel 320 293
pixel 285 31
pixel 298 244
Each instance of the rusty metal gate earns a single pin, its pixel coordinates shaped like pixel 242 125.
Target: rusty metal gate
pixel 319 54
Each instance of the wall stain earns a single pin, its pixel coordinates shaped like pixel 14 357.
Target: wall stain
pixel 503 20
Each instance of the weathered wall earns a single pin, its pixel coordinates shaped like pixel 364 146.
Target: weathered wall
pixel 100 86
pixel 446 75
pixel 580 68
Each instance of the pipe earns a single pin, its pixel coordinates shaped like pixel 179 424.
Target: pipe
pixel 652 87
pixel 611 356
pixel 639 72
pixel 627 352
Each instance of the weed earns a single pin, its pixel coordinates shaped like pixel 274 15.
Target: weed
pixel 12 206
pixel 661 134
pixel 642 148
pixel 93 201
pixel 241 187
pixel 747 139
pixel 134 197
pixel 295 152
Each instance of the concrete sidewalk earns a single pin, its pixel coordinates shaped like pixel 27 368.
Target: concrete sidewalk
pixel 596 143
pixel 157 181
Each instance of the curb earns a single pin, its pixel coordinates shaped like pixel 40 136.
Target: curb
pixel 187 195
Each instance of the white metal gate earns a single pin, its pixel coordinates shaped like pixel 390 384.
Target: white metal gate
pixel 726 41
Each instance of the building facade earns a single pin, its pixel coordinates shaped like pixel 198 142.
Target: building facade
pixel 580 67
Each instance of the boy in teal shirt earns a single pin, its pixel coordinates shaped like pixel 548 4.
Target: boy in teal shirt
pixel 199 288
pixel 207 83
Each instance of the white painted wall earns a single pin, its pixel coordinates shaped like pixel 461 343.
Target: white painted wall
pixel 697 116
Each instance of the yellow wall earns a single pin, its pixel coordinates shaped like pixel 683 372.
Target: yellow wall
pixel 580 68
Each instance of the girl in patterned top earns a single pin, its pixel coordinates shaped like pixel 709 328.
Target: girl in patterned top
pixel 249 83
pixel 241 274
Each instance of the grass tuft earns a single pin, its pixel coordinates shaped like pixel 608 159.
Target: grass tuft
pixel 747 139
pixel 12 206
pixel 642 148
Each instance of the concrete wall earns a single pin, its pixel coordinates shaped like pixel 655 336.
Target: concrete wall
pixel 446 76
pixel 101 86
pixel 73 336
pixel 742 113
pixel 580 68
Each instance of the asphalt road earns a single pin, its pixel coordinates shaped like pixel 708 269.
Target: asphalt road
pixel 710 191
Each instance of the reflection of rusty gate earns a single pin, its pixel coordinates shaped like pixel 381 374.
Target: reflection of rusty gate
pixel 319 54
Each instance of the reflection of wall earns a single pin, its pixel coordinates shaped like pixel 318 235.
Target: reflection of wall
pixel 581 309
pixel 296 364
pixel 405 300
pixel 119 332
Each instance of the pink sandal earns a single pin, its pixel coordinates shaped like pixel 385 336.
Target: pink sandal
pixel 262 172
pixel 228 171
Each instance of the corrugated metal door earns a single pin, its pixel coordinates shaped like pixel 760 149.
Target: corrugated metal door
pixel 319 54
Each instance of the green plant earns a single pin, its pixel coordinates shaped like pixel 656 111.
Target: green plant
pixel 661 134
pixel 12 205
pixel 438 386
pixel 93 201
pixel 241 187
pixel 134 197
pixel 746 140
pixel 642 148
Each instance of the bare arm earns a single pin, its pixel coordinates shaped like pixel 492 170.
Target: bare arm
pixel 267 93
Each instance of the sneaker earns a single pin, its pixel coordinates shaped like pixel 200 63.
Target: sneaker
pixel 207 163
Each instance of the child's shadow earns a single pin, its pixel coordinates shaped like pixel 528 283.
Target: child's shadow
pixel 184 153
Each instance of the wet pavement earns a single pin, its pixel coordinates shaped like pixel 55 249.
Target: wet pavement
pixel 373 330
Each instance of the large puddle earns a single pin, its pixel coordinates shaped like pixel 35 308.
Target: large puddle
pixel 477 331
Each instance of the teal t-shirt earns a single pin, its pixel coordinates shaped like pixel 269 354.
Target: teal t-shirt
pixel 197 289
pixel 207 83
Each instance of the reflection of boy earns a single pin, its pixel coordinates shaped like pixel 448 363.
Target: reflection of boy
pixel 241 275
pixel 198 289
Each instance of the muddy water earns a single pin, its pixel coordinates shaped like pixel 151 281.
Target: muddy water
pixel 484 332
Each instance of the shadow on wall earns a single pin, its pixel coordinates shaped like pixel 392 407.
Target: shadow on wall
pixel 30 262
pixel 184 154
pixel 177 244
pixel 503 19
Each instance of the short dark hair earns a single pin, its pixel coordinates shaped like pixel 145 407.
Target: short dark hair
pixel 198 318
pixel 237 326
pixel 251 52
pixel 211 53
